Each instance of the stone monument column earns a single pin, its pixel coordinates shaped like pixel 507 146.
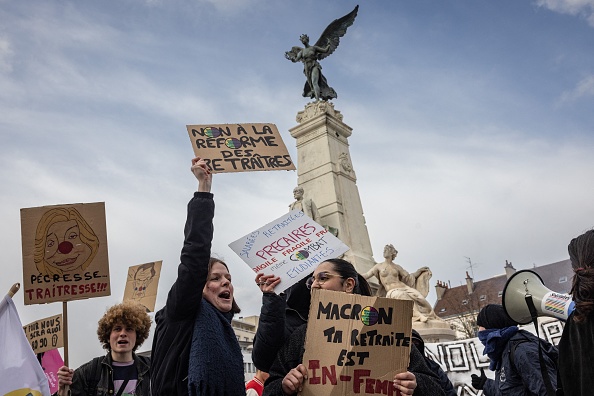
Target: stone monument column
pixel 325 171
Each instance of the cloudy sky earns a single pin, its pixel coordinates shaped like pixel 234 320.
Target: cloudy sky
pixel 472 127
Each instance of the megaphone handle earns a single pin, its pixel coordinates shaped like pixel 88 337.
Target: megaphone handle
pixel 543 368
pixel 532 309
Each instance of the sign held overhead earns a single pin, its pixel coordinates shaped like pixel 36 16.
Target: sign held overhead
pixel 240 147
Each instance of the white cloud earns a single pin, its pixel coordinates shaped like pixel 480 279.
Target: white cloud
pixel 6 54
pixel 583 88
pixel 583 8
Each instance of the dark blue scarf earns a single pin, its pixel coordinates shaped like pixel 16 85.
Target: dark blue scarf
pixel 216 362
pixel 495 341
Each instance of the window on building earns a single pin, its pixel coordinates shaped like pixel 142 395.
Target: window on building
pixel 500 293
pixel 563 279
pixel 464 302
pixel 483 297
pixel 442 310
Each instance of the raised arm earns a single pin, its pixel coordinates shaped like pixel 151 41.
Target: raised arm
pixel 201 172
pixel 323 50
pixel 186 293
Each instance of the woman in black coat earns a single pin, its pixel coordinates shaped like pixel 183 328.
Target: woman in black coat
pixel 576 370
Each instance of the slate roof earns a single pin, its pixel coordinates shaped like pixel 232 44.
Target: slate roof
pixel 556 277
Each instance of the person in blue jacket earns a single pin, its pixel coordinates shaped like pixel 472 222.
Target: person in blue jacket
pixel 513 355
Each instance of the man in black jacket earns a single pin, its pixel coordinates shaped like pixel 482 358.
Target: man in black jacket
pixel 122 329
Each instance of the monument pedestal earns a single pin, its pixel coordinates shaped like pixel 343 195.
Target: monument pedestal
pixel 326 173
pixel 435 331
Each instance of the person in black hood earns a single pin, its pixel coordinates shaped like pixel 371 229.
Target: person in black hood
pixel 444 381
pixel 514 356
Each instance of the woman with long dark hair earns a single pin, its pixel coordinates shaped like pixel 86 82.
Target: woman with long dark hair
pixel 287 373
pixel 576 370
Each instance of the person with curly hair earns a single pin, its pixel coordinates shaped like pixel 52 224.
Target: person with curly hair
pixel 122 329
pixel 576 371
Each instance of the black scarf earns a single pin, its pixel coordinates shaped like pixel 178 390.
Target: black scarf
pixel 216 362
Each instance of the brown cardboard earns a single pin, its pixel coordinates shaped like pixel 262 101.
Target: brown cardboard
pixel 45 334
pixel 342 354
pixel 64 253
pixel 240 147
pixel 142 284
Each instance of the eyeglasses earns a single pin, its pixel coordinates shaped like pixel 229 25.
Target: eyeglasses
pixel 322 277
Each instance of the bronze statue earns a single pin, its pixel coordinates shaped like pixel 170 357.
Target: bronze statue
pixel 316 85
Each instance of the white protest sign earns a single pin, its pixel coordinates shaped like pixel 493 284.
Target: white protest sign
pixel 290 247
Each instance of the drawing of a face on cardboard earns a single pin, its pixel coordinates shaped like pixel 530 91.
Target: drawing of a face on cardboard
pixel 142 278
pixel 64 242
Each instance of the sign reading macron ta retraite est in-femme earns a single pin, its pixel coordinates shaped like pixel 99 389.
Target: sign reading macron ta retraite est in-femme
pixel 240 147
pixel 355 344
pixel 290 247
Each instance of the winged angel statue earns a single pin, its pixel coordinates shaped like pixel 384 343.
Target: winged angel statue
pixel 316 85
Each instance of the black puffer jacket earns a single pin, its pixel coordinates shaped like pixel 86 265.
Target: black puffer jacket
pixel 97 376
pixel 175 322
pixel 291 355
pixel 279 317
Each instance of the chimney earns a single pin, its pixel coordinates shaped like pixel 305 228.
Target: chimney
pixel 509 269
pixel 440 289
pixel 469 283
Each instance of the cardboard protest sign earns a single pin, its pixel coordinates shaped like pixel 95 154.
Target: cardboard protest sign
pixel 45 334
pixel 291 247
pixel 142 283
pixel 355 344
pixel 64 253
pixel 240 147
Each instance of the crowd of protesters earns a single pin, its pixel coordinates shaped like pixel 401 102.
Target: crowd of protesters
pixel 195 350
